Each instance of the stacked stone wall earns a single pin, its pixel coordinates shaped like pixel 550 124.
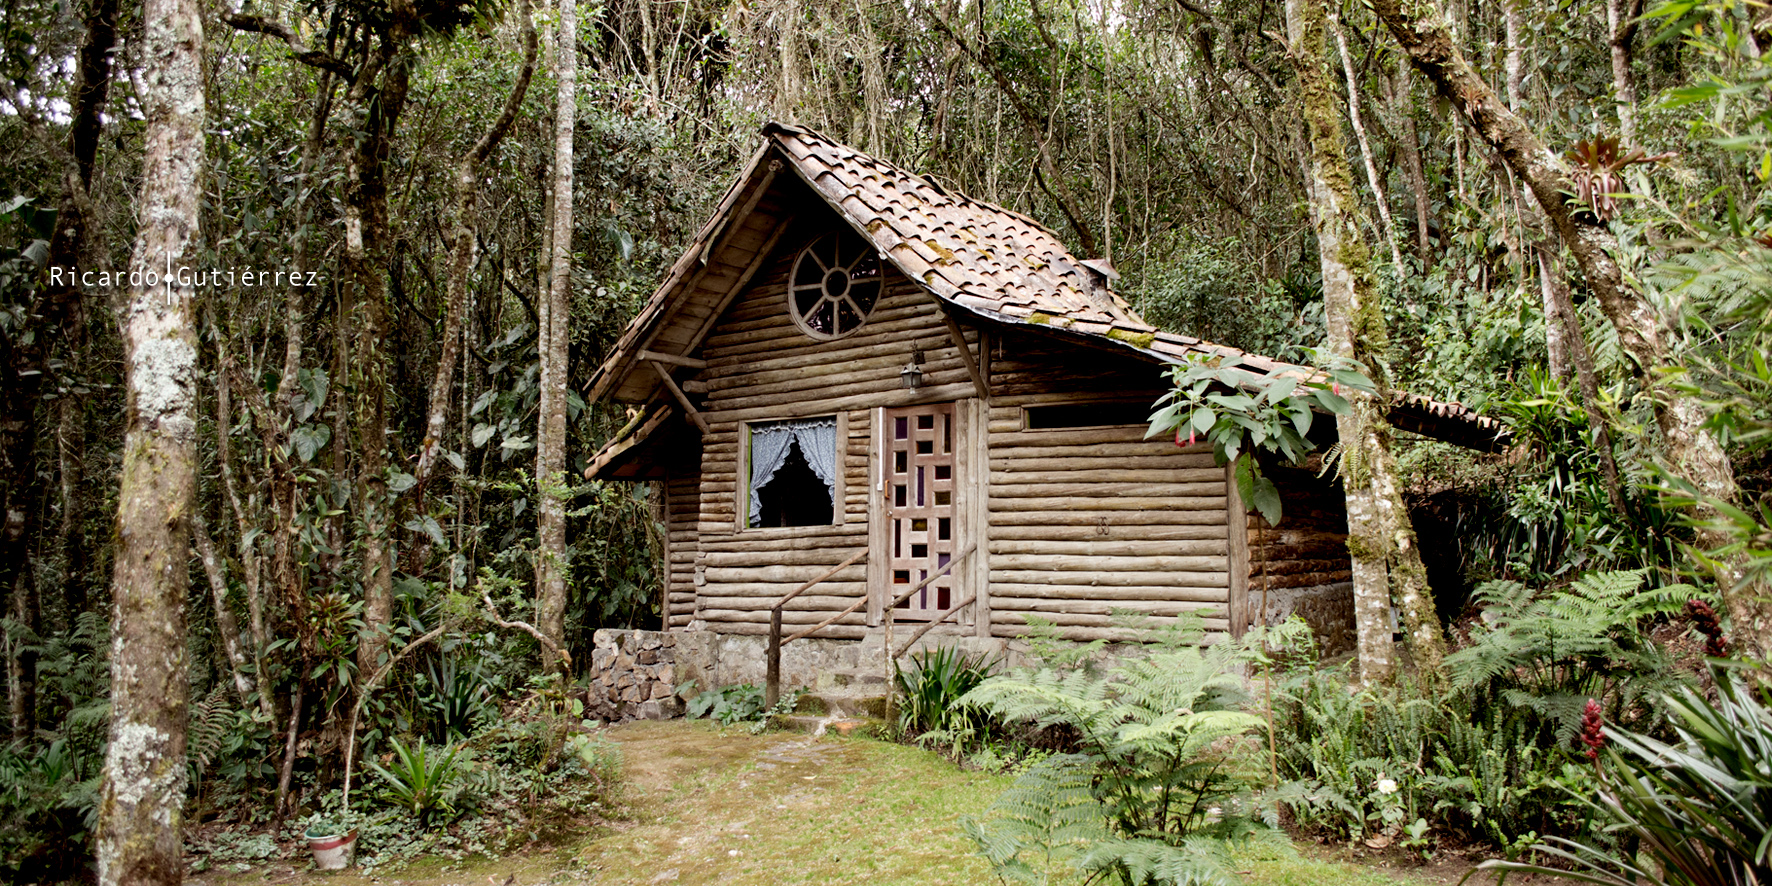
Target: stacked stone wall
pixel 635 674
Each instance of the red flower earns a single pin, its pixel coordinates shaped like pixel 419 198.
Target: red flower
pixel 1704 619
pixel 1591 724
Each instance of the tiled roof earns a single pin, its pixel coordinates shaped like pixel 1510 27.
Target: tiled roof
pixel 1000 264
pixel 985 259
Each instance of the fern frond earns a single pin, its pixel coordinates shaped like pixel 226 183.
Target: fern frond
pixel 1196 861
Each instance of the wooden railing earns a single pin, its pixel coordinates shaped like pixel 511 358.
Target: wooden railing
pixel 772 687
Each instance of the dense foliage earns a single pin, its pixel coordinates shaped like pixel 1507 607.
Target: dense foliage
pixel 1164 137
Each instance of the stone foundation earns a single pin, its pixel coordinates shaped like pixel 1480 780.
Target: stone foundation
pixel 1328 609
pixel 635 674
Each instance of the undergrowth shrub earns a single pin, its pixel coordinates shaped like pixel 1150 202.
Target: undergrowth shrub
pixel 929 698
pixel 1165 772
pixel 1697 809
pixel 1487 755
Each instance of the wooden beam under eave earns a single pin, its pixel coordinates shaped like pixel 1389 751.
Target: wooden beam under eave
pixel 664 373
pixel 674 360
pixel 959 336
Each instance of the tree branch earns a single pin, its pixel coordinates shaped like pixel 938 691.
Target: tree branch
pixel 297 49
pixel 527 628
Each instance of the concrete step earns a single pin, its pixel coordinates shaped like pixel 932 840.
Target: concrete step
pixel 854 701
pixel 858 677
pixel 817 724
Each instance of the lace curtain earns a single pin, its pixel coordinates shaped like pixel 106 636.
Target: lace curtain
pixel 770 444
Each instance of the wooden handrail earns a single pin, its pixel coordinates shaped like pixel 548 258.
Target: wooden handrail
pixel 933 622
pixel 860 556
pixel 772 684
pixel 944 570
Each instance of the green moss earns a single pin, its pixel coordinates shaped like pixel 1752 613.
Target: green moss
pixel 1360 547
pixel 1039 319
pixel 947 255
pixel 1135 339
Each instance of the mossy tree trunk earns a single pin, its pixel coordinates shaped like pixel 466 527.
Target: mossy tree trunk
pixel 556 320
pixel 1386 562
pixel 141 803
pixel 1691 452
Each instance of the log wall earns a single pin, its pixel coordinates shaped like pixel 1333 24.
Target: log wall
pixel 682 495
pixel 761 367
pixel 1087 521
pixel 1302 567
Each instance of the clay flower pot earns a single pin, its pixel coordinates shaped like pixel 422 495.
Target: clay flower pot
pixel 332 852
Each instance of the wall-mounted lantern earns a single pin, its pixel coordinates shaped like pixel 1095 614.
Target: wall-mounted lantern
pixel 912 373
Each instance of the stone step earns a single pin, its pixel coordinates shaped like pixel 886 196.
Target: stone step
pixel 846 704
pixel 821 724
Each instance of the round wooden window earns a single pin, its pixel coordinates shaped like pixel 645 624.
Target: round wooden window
pixel 834 286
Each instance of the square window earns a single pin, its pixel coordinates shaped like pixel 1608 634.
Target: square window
pixel 793 472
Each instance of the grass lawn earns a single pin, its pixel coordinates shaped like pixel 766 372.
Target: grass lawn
pixel 710 805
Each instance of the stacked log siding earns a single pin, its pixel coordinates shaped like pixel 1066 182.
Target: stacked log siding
pixel 761 367
pixel 682 494
pixel 1086 522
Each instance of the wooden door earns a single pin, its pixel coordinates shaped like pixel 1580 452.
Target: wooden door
pixel 920 506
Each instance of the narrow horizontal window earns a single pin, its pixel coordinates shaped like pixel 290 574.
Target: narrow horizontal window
pixel 1086 415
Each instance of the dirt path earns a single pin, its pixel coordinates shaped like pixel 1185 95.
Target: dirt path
pixel 729 807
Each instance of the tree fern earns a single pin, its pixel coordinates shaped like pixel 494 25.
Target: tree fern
pixel 1050 813
pixel 1549 653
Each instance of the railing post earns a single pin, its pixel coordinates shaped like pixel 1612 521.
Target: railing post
pixel 772 687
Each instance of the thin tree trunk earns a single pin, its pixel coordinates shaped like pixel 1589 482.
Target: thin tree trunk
pixel 225 625
pixel 1514 62
pixel 1692 453
pixel 1621 31
pixel 1400 106
pixel 556 316
pixel 249 559
pixel 467 193
pixel 289 745
pixel 140 809
pixel 1381 543
pixel 367 257
pixel 27 613
pixel 1388 230
pixel 1556 342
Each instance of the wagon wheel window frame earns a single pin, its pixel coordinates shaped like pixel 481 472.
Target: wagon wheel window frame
pixel 834 286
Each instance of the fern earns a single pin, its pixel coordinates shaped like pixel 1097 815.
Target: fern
pixel 1549 653
pixel 1196 861
pixel 1158 772
pixel 211 721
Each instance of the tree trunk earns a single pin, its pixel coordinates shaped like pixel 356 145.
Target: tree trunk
pixel 1381 542
pixel 1693 454
pixel 1621 30
pixel 226 626
pixel 26 612
pixel 140 809
pixel 556 317
pixel 467 193
pixel 1388 230
pixel 380 101
pixel 1399 101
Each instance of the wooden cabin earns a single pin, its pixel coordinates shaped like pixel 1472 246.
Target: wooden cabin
pixel 853 364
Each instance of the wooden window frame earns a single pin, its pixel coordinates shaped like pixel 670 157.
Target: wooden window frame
pixel 741 499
